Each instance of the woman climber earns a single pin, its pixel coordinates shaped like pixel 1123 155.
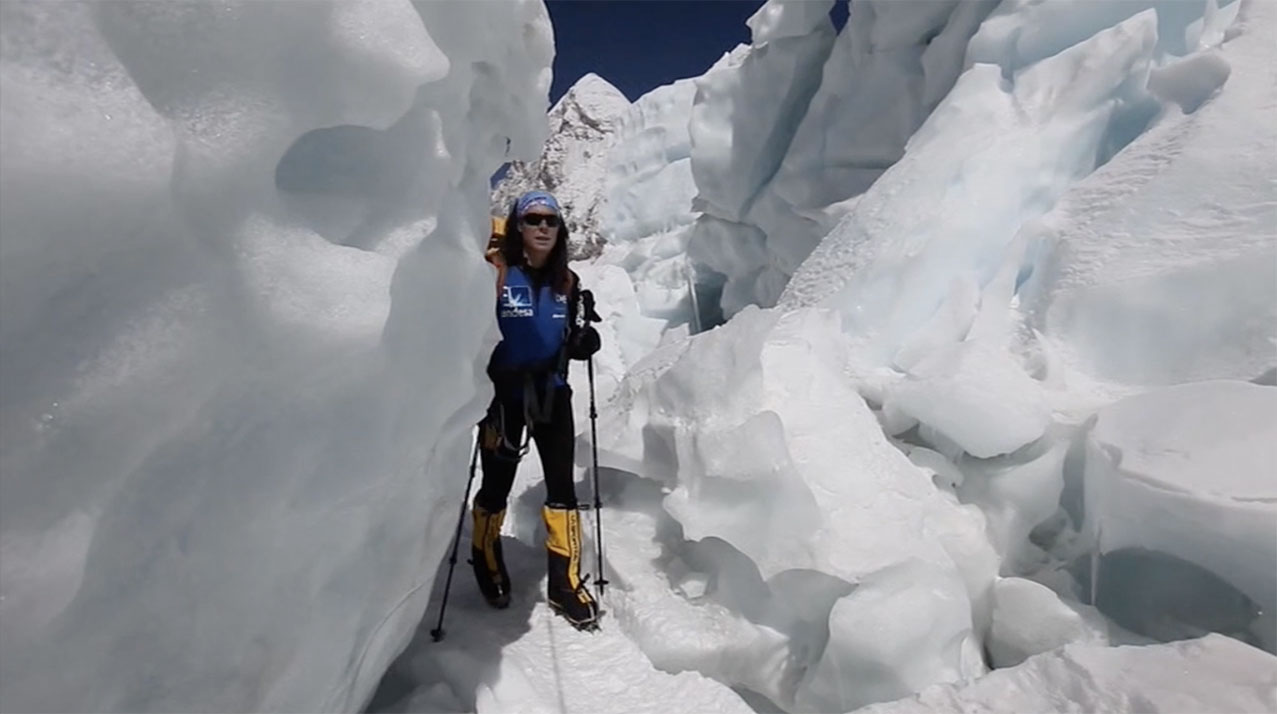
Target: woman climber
pixel 544 318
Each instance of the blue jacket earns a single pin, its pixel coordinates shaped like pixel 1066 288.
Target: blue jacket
pixel 534 322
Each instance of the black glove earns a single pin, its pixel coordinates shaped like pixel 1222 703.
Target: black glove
pixel 583 342
pixel 587 307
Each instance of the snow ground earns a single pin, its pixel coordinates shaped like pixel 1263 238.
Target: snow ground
pixel 528 659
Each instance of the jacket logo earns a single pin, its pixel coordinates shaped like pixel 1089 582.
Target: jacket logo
pixel 517 296
pixel 516 301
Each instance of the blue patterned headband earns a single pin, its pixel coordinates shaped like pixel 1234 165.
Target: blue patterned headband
pixel 532 199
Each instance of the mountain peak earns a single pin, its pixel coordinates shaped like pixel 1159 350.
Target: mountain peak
pixel 594 100
pixel 573 161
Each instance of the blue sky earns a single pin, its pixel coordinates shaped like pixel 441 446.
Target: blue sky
pixel 638 45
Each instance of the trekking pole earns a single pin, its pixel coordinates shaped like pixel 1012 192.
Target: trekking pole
pixel 599 582
pixel 437 633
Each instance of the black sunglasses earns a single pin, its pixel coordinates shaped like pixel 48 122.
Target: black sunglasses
pixel 535 219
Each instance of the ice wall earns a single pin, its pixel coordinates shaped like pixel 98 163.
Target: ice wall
pixel 1023 142
pixel 772 454
pixel 1098 162
pixel 863 96
pixel 1187 471
pixel 827 115
pixel 688 163
pixel 647 200
pixel 1158 268
pixel 241 304
pixel 989 303
pixel 734 153
pixel 1049 92
pixel 1080 220
pixel 647 210
pixel 650 184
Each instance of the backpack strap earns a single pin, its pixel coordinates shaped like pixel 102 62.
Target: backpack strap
pixel 493 252
pixel 501 273
pixel 573 293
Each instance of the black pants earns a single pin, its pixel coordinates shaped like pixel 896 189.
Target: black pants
pixel 555 439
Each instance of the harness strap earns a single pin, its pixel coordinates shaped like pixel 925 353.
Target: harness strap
pixel 514 452
pixel 536 411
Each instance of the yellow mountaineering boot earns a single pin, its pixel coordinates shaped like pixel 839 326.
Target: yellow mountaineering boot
pixel 485 556
pixel 566 592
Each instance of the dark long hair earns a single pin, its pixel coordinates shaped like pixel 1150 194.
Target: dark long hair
pixel 556 264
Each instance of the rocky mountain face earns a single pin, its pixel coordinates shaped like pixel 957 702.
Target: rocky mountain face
pixel 573 164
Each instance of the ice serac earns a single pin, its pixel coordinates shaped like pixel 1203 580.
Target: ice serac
pixel 755 455
pixel 735 152
pixel 241 301
pixel 1158 268
pixel 647 207
pixel 1124 115
pixel 1187 471
pixel 1113 231
pixel 888 69
pixel 826 116
pixel 865 94
pixel 976 396
pixel 1211 674
pixel 926 268
pixel 1029 619
pixel 626 333
pixel 891 263
pixel 649 187
pixel 647 200
pixel 573 163
pixel 775 142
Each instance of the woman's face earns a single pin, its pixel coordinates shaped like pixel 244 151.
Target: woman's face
pixel 540 229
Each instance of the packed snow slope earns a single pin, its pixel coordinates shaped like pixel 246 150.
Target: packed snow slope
pixel 241 304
